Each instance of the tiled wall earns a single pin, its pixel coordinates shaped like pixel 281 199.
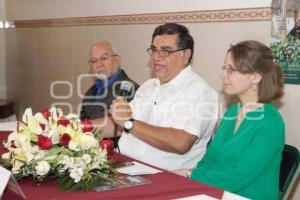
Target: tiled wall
pixel 43 51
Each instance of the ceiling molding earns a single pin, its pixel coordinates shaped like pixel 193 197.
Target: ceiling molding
pixel 245 14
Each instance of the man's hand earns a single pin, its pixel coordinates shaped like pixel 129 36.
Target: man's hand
pixel 120 111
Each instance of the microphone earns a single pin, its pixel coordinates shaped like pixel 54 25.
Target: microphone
pixel 126 87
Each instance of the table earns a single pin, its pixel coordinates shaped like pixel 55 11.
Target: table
pixel 165 185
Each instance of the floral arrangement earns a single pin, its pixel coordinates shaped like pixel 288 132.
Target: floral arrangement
pixel 51 144
pixel 287 52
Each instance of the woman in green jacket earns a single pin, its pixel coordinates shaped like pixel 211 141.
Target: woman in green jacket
pixel 245 154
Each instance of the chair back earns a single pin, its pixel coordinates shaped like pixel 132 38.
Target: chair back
pixel 289 170
pixel 7 111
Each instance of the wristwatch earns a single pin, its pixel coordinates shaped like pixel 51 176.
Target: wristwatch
pixel 128 125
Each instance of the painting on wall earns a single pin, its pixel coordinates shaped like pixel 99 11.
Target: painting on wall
pixel 285 37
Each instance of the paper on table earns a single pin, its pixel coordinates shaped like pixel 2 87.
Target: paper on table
pixel 5 174
pixel 137 169
pixel 231 196
pixel 8 180
pixel 198 197
pixel 226 196
pixel 8 126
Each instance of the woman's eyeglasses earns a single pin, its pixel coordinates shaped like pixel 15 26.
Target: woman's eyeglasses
pixel 229 69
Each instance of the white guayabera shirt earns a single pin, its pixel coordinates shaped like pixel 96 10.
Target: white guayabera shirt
pixel 186 102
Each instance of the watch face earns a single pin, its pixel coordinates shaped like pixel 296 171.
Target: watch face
pixel 128 124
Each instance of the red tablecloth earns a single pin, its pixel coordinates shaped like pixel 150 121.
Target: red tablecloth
pixel 165 185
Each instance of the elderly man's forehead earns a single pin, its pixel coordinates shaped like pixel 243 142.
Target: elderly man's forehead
pixel 105 47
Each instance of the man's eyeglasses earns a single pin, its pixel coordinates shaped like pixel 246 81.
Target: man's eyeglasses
pixel 163 52
pixel 229 69
pixel 101 59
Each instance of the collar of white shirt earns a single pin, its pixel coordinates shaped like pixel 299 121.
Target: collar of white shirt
pixel 177 80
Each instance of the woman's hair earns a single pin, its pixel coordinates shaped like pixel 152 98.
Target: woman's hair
pixel 252 56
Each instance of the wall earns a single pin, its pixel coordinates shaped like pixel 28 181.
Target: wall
pixel 2 53
pixel 49 50
pixel 52 53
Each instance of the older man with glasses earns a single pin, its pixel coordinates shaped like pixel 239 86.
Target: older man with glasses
pixel 172 116
pixel 105 65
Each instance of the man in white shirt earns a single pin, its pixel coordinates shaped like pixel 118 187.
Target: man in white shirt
pixel 172 117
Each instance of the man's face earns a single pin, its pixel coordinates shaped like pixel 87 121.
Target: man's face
pixel 103 61
pixel 167 67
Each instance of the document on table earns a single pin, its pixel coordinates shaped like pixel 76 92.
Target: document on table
pixel 137 169
pixel 226 196
pixel 198 197
pixel 8 180
pixel 231 196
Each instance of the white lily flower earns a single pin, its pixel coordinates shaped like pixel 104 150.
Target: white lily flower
pixel 62 129
pixel 31 122
pixel 20 140
pixel 66 161
pixel 71 116
pixel 54 135
pixel 39 117
pixel 39 154
pixel 55 113
pixel 29 157
pixel 87 158
pixel 74 145
pixel 6 155
pixel 86 141
pixel 101 156
pixel 27 113
pixel 76 174
pixel 78 163
pixel 17 166
pixel 21 155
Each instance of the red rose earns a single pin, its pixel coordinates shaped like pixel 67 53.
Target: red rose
pixel 65 139
pixel 107 144
pixel 44 142
pixel 63 121
pixel 43 126
pixel 87 125
pixel 45 112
